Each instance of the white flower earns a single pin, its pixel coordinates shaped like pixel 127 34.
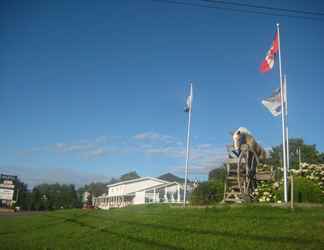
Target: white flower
pixel 276 185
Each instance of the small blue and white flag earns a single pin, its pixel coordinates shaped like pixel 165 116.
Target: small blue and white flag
pixel 273 103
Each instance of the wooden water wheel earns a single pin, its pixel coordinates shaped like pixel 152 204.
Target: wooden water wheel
pixel 246 170
pixel 240 179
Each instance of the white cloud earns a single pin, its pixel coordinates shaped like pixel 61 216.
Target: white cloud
pixel 154 137
pixel 203 155
pixel 147 136
pixel 89 148
pixel 96 153
pixel 76 147
pixel 202 161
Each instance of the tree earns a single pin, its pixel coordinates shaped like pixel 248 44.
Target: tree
pixel 94 188
pixel 22 195
pixel 113 181
pixel 129 176
pixel 217 174
pixel 208 192
pixel 321 158
pixel 36 199
pixel 171 178
pixel 309 153
pixel 54 196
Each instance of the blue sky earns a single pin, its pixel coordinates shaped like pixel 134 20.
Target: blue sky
pixel 91 90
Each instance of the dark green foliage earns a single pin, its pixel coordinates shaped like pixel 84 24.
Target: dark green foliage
pixel 54 196
pixel 113 181
pixel 217 174
pixel 24 196
pixel 309 153
pixel 209 192
pixel 129 176
pixel 95 188
pixel 321 158
pixel 305 190
pixel 171 177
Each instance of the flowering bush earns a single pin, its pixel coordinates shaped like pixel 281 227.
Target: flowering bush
pixel 264 167
pixel 265 192
pixel 266 189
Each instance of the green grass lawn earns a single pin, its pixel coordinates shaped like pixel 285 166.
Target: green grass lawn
pixel 164 227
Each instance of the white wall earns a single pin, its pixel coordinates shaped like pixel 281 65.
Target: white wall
pixel 173 188
pixel 139 198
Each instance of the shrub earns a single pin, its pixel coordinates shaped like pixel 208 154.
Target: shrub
pixel 305 190
pixel 208 192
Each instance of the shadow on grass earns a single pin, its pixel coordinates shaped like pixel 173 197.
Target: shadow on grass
pixel 126 236
pixel 240 235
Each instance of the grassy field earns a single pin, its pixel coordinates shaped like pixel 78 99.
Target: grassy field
pixel 164 227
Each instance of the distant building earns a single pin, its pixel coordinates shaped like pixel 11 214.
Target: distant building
pixel 141 191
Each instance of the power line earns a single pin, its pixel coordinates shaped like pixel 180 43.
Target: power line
pixel 265 7
pixel 238 10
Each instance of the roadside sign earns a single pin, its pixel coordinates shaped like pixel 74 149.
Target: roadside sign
pixel 6 194
pixel 10 186
pixel 8 177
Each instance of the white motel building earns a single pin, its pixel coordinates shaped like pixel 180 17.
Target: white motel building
pixel 141 191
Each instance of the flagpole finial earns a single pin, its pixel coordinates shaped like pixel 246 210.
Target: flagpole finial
pixel 278 25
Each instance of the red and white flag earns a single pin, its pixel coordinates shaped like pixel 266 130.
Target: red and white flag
pixel 268 62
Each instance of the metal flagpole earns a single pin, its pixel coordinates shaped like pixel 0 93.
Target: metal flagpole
pixel 286 112
pixel 188 144
pixel 299 158
pixel 283 122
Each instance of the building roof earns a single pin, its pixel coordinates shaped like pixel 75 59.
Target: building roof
pixel 159 186
pixel 138 180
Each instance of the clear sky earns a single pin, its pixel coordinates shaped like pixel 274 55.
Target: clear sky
pixel 94 89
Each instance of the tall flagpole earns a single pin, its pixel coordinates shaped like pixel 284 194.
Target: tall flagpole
pixel 188 144
pixel 286 112
pixel 283 122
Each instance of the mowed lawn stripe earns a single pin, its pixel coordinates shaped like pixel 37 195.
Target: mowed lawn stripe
pixel 222 229
pixel 163 227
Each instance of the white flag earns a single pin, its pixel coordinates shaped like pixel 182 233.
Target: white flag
pixel 273 103
pixel 188 107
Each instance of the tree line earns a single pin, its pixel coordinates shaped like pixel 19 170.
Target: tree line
pixel 56 196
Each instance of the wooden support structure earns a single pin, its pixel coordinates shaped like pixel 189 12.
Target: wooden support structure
pixel 242 175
